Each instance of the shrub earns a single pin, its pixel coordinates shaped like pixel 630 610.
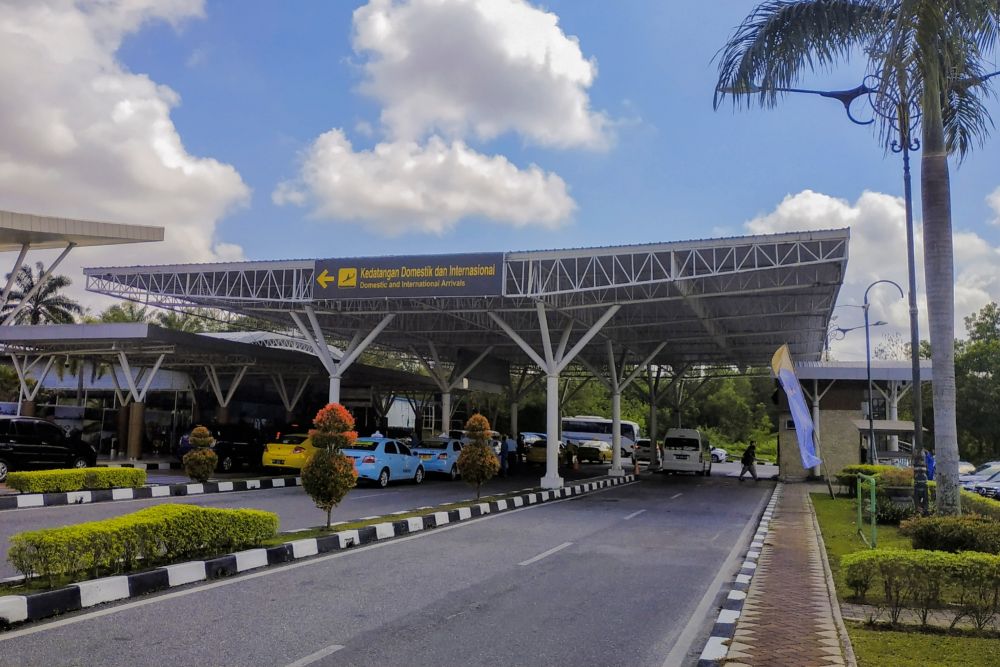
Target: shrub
pixel 976 504
pixel 477 463
pixel 199 464
pixel 891 512
pixel 155 535
pixel 970 532
pixel 200 437
pixel 334 428
pixel 848 476
pixel 327 477
pixel 75 479
pixel 894 477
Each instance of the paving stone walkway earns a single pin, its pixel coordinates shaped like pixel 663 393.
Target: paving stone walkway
pixel 788 617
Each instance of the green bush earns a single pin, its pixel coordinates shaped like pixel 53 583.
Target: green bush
pixel 971 532
pixel 327 477
pixel 75 479
pixel 152 536
pixel 477 463
pixel 199 464
pixel 848 476
pixel 973 503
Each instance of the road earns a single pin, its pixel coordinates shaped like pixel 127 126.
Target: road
pixel 611 578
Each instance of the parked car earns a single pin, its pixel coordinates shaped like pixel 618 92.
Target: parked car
pixel 290 451
pixel 644 449
pixel 439 455
pixel 382 459
pixel 966 468
pixel 29 442
pixel 593 451
pixel 719 455
pixel 686 450
pixel 990 474
pixel 537 451
pixel 235 445
pixel 463 437
pixel 988 489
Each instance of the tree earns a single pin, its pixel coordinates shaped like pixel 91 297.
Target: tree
pixel 977 374
pixel 928 52
pixel 129 311
pixel 328 475
pixel 47 305
pixel 200 462
pixel 477 463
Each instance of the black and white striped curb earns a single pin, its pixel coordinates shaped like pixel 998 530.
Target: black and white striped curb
pixel 140 465
pixel 717 645
pixel 22 608
pixel 25 500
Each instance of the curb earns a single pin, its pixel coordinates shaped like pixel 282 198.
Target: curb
pixel 26 500
pixel 139 465
pixel 37 606
pixel 831 588
pixel 717 646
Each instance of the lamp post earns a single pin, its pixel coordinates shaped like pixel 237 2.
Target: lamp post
pixel 872 457
pixel 840 333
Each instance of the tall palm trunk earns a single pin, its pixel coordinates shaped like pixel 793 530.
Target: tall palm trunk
pixel 939 275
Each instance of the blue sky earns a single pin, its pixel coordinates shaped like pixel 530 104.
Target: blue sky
pixel 228 102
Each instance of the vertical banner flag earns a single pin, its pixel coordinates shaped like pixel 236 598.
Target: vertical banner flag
pixel 781 366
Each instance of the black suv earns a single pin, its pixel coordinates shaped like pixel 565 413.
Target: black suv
pixel 28 442
pixel 235 445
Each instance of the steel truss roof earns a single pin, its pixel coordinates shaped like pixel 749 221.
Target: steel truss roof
pixel 718 301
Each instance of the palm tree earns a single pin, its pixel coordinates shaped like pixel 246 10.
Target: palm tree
pixel 129 311
pixel 929 51
pixel 47 305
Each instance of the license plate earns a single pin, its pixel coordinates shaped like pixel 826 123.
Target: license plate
pixel 278 462
pixel 681 457
pixel 425 457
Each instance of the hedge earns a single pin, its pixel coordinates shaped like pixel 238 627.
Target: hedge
pixel 924 580
pixel 152 536
pixel 973 503
pixel 970 532
pixel 848 476
pixel 75 479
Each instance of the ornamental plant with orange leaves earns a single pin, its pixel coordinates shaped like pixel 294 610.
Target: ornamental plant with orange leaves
pixel 328 475
pixel 477 463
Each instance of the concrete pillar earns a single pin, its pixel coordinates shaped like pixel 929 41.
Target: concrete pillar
pixel 654 445
pixel 222 414
pixel 513 420
pixel 136 429
pixel 817 470
pixel 334 389
pixel 122 444
pixel 616 435
pixel 552 480
pixel 892 411
pixel 445 411
pixel 27 408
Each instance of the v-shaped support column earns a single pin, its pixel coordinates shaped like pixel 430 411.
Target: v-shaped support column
pixel 553 361
pixel 447 383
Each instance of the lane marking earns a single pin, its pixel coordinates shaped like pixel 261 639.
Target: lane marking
pixel 699 617
pixel 271 571
pixel 676 495
pixel 313 657
pixel 633 515
pixel 546 553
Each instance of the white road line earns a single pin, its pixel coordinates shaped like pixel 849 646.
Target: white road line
pixel 313 657
pixel 633 515
pixel 43 626
pixel 676 495
pixel 546 553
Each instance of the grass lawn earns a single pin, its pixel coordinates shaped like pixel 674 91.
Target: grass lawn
pixel 837 520
pixel 890 648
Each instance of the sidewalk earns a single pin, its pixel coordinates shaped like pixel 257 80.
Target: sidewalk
pixel 790 615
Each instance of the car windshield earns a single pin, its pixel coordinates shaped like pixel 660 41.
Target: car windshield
pixel 292 439
pixel 681 443
pixel 986 468
pixel 432 444
pixel 364 445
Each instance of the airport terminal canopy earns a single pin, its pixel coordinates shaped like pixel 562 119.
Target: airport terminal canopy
pixel 731 301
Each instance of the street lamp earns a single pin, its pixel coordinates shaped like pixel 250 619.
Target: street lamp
pixel 840 333
pixel 872 458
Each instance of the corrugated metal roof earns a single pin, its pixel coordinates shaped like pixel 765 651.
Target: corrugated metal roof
pixel 882 370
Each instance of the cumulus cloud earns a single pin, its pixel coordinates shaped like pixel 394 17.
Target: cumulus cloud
pixel 994 201
pixel 481 67
pixel 86 138
pixel 407 186
pixel 446 72
pixel 878 251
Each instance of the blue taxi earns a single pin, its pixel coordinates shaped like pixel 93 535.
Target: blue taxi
pixel 439 455
pixel 380 460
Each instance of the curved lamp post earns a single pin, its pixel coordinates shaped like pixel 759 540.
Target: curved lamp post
pixel 840 333
pixel 872 457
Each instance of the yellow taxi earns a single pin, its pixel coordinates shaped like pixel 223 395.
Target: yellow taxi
pixel 536 452
pixel 289 451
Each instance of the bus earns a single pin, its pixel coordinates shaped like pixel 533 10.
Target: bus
pixel 588 427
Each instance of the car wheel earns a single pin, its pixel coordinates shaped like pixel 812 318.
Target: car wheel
pixel 3 470
pixel 715 459
pixel 383 478
pixel 79 462
pixel 419 476
pixel 453 473
pixel 226 463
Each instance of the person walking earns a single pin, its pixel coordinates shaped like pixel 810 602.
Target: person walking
pixel 503 456
pixel 930 463
pixel 749 461
pixel 510 451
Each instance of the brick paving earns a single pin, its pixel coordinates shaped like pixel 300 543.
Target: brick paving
pixel 788 617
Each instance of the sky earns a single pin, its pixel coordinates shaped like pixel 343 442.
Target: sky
pixel 255 129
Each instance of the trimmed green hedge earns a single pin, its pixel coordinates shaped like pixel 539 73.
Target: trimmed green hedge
pixel 848 476
pixel 75 479
pixel 152 536
pixel 970 532
pixel 973 503
pixel 924 580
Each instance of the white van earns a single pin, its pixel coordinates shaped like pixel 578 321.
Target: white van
pixel 686 450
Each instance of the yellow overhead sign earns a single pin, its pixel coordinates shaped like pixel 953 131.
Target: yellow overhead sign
pixel 478 274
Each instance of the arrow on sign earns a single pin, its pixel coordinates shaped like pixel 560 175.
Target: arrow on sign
pixel 324 279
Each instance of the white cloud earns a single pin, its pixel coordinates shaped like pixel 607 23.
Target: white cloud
pixel 83 137
pixel 405 187
pixel 878 251
pixel 477 67
pixel 994 201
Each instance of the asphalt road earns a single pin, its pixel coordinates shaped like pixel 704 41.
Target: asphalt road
pixel 612 578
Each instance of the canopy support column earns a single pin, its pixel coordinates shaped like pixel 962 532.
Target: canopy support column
pixel 42 279
pixel 553 362
pixel 13 274
pixel 447 383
